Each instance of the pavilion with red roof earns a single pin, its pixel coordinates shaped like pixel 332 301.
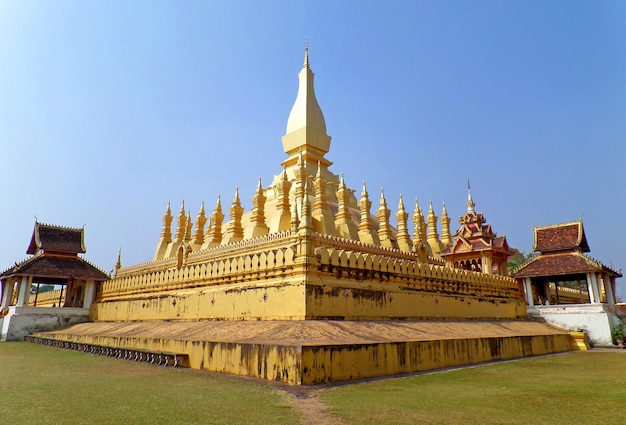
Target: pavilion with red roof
pixel 565 286
pixel 54 260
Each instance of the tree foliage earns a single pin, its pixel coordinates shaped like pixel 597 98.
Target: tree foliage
pixel 517 259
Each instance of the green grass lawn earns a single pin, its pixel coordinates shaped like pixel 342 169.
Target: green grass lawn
pixel 573 388
pixel 41 385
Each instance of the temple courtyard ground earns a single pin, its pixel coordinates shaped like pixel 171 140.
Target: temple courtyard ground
pixel 42 385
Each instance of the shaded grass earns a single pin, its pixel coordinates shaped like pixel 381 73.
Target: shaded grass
pixel 42 385
pixel 575 388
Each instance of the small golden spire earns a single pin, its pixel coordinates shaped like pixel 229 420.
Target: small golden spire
pixel 257 217
pixel 402 235
pixel 432 235
pixel 189 226
pixel 306 53
pixel 118 265
pixel 365 204
pixel 201 219
pixel 234 231
pixel 166 233
pixel 306 222
pixel 320 203
pixel 446 237
pixel 215 226
pixel 384 228
pixel 181 224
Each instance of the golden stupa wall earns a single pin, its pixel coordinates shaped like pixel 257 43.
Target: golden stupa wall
pixel 306 249
pixel 295 276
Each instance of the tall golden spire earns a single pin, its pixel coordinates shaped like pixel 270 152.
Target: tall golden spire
pixel 306 127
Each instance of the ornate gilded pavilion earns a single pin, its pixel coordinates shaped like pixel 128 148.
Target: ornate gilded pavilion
pixel 309 285
pixel 476 247
pixel 54 260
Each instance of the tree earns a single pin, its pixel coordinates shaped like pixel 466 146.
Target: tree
pixel 517 259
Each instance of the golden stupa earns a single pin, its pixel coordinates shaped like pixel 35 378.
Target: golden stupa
pixel 309 286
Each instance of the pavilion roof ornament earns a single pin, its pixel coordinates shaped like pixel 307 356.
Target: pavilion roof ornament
pixel 470 202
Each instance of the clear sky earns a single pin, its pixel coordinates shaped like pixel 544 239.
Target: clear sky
pixel 110 109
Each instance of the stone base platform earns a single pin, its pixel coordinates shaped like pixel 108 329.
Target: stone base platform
pixel 312 352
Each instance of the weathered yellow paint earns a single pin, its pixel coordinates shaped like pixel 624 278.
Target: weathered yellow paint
pixel 579 341
pixel 342 362
pixel 275 301
pixel 312 352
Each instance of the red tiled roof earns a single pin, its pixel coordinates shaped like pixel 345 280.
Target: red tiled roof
pixel 561 237
pixel 562 264
pixel 61 267
pixel 57 239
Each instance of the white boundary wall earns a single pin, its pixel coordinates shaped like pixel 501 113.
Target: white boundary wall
pixel 22 321
pixel 598 320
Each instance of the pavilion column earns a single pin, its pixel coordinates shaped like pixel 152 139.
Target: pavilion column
pixel 90 290
pixel 528 288
pixel 608 289
pixel 24 291
pixel 7 293
pixel 487 265
pixel 592 284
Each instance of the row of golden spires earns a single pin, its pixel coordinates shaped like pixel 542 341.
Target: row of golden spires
pixel 293 212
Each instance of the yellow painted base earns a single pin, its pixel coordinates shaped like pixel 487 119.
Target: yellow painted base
pixel 313 352
pixel 579 341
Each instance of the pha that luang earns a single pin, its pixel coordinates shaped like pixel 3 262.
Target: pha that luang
pixel 310 284
pixel 308 249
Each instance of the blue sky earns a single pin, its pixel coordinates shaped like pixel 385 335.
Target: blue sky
pixel 110 109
